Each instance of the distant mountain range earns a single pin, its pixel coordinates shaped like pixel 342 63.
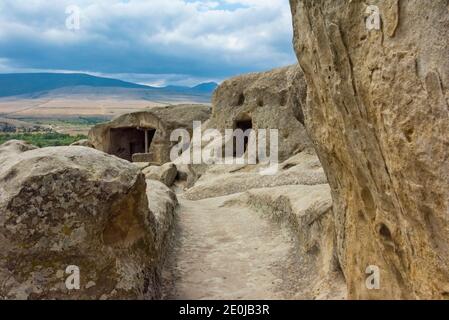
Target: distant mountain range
pixel 38 85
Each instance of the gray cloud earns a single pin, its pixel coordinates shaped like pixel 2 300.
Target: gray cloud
pixel 179 40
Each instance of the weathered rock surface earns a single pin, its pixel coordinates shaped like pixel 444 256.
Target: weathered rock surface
pixel 162 203
pixel 83 143
pixel 166 173
pixel 221 180
pixel 13 147
pixel 74 206
pixel 378 116
pixel 270 100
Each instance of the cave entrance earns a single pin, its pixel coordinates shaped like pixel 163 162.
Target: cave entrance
pixel 244 124
pixel 125 142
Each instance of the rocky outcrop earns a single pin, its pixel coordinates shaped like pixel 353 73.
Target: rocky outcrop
pixel 74 206
pixel 14 147
pixel 220 180
pixel 378 116
pixel 82 143
pixel 267 100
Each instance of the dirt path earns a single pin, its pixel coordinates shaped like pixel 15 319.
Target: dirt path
pixel 230 253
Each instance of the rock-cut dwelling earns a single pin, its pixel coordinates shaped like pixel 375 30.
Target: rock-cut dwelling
pixel 144 136
pixel 267 100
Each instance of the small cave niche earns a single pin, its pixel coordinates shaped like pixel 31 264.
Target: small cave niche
pixel 243 123
pixel 409 133
pixel 283 99
pixel 299 115
pixel 384 232
pixel 241 100
pixel 368 201
pixel 386 236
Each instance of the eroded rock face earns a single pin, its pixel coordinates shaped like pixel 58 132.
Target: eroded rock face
pixel 75 206
pixel 267 100
pixel 378 115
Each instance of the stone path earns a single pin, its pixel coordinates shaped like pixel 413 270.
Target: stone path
pixel 230 253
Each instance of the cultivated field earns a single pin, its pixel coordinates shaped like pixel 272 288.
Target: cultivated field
pixel 69 115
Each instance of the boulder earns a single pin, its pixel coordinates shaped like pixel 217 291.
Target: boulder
pixel 74 206
pixel 378 116
pixel 166 173
pixel 162 203
pixel 142 165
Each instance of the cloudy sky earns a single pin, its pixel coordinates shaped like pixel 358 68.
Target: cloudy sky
pixel 155 42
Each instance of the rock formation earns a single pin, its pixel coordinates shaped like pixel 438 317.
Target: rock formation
pixel 166 173
pixel 221 180
pixel 378 116
pixel 14 147
pixel 75 206
pixel 125 135
pixel 268 100
pixel 162 203
pixel 82 143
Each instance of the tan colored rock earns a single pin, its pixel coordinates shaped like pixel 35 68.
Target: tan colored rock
pixel 166 173
pixel 142 165
pixel 378 116
pixel 83 143
pixel 125 135
pixel 13 147
pixel 220 180
pixel 76 206
pixel 162 203
pixel 268 100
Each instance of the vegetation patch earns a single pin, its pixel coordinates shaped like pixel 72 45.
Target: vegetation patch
pixel 41 140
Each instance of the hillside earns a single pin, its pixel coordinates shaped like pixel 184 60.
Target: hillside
pixel 38 85
pixel 12 125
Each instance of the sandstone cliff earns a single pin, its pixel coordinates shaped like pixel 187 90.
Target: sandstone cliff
pixel 378 116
